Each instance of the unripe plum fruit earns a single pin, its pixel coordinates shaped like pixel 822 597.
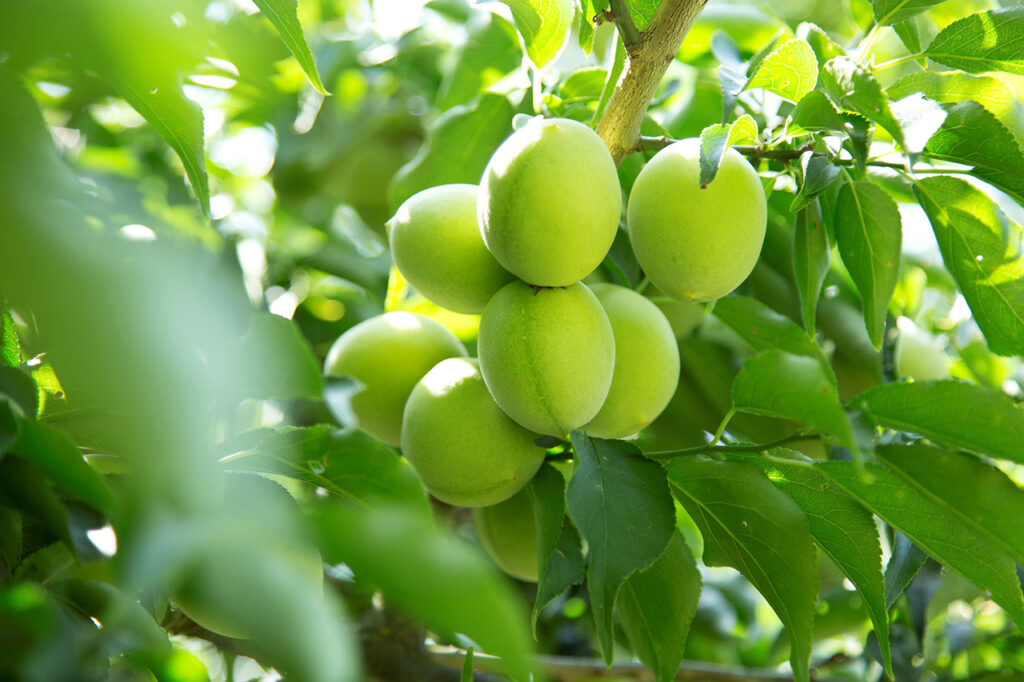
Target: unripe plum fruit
pixel 437 246
pixel 508 533
pixel 919 355
pixel 696 243
pixel 466 451
pixel 547 355
pixel 388 354
pixel 550 202
pixel 646 363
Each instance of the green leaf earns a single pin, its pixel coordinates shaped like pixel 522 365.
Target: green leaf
pixel 869 234
pixel 973 136
pixel 716 139
pixel 284 15
pixel 796 387
pixel 544 25
pixel 954 413
pixel 992 505
pixel 790 71
pixel 910 35
pixel 10 541
pixel 657 605
pixel 943 537
pixel 750 525
pixel 137 631
pixel 954 87
pixel 467 666
pixel 905 562
pixel 889 12
pixel 18 386
pixel 348 463
pixel 983 41
pixel 824 47
pixel 10 347
pixel 818 173
pixel 459 144
pixel 23 488
pixel 855 88
pixel 622 506
pixel 763 328
pixel 56 457
pixel 8 426
pixel 290 369
pixel 816 112
pixel 981 248
pixel 840 526
pixel 560 562
pixel 491 51
pixel 431 574
pixel 812 258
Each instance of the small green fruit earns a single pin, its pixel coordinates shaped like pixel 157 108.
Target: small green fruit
pixel 695 243
pixel 466 451
pixel 388 354
pixel 919 355
pixel 547 355
pixel 550 202
pixel 437 246
pixel 646 363
pixel 508 533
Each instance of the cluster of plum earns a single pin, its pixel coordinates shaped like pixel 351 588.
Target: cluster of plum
pixel 554 354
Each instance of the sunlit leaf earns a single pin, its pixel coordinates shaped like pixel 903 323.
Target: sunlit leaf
pixel 284 15
pixel 544 25
pixel 716 139
pixel 983 41
pixel 790 71
pixel 889 12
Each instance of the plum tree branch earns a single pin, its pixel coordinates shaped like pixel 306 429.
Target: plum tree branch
pixel 624 21
pixel 647 62
pixel 714 447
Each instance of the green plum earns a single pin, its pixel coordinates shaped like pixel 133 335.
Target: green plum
pixel 508 532
pixel 467 452
pixel 550 202
pixel 646 363
pixel 388 354
pixel 919 355
pixel 437 246
pixel 547 355
pixel 696 243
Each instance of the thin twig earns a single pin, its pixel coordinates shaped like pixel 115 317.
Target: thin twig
pixel 624 22
pixel 756 447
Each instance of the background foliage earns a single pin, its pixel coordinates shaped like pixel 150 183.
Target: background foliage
pixel 195 196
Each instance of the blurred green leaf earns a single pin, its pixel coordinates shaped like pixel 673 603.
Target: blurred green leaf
pixel 889 12
pixel 284 15
pixel 840 526
pixel 544 25
pixel 779 384
pixel 991 505
pixel 491 51
pixel 10 347
pixel 459 145
pixel 910 34
pixel 812 258
pixel 869 234
pixel 656 606
pixel 289 368
pixel 939 534
pixel 18 386
pixel 984 41
pixel 905 562
pixel 622 506
pixel 559 555
pixel 750 525
pixel 954 413
pixel 10 541
pixel 790 71
pixel 716 139
pixel 137 631
pixel 981 248
pixel 8 426
pixel 452 588
pixel 24 489
pixel 348 463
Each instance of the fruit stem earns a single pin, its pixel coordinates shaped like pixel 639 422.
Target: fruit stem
pixel 647 62
pixel 624 22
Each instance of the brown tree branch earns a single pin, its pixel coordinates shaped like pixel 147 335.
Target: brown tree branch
pixel 647 62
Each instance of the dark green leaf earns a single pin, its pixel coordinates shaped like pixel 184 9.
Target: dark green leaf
pixel 431 574
pixel 56 457
pixel 824 47
pixel 10 541
pixel 490 52
pixel 954 413
pixel 348 463
pixel 763 328
pixel 716 139
pixel 733 80
pixel 8 426
pixel 973 136
pixel 622 506
pixel 458 147
pixel 790 71
pixel 942 536
pixel 869 234
pixel 559 555
pixel 840 526
pixel 983 41
pixel 855 88
pixel 905 562
pixel 889 12
pixel 656 606
pixel 816 112
pixel 17 386
pixel 795 387
pixel 545 26
pixel 992 505
pixel 750 525
pixel 812 258
pixel 284 15
pixel 10 347
pixel 818 174
pixel 981 248
pixel 22 488
pixel 137 631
